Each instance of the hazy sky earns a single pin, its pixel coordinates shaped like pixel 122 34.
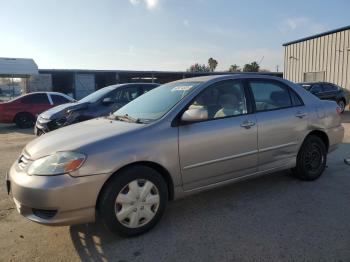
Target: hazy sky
pixel 160 34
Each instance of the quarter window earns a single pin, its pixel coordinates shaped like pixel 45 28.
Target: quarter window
pixel 270 95
pixel 222 99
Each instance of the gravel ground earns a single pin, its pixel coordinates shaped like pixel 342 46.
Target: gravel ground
pixel 271 218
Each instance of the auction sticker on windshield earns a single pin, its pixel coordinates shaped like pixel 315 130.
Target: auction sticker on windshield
pixel 181 88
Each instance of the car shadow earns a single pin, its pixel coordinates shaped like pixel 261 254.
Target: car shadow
pixel 12 128
pixel 267 210
pixel 345 117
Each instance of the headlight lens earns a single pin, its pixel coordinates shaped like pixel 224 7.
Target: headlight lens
pixel 58 163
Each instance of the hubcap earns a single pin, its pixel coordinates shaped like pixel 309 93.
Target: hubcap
pixel 313 158
pixel 137 203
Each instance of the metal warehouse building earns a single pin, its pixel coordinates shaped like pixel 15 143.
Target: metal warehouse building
pixel 321 57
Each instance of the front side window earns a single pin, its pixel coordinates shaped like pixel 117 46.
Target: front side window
pixel 222 99
pixel 316 88
pixel 58 100
pixel 35 99
pixel 157 102
pixel 269 95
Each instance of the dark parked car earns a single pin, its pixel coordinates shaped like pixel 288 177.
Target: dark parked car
pixel 329 91
pixel 100 103
pixel 23 110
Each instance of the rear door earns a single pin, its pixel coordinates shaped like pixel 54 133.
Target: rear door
pixel 224 146
pixel 281 121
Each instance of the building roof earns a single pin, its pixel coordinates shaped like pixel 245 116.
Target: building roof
pixel 17 66
pixel 318 35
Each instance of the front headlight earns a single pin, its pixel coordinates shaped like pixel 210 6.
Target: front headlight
pixel 58 163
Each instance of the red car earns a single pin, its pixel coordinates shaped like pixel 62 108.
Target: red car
pixel 23 110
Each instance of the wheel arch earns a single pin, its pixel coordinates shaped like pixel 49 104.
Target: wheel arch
pixel 159 168
pixel 321 134
pixel 21 112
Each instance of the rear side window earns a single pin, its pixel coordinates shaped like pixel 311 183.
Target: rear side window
pixel 329 88
pixel 35 99
pixel 269 95
pixel 129 94
pixel 58 100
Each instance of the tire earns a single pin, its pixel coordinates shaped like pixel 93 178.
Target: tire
pixel 24 120
pixel 139 214
pixel 342 105
pixel 311 159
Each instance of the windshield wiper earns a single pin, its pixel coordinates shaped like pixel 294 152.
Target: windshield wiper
pixel 128 118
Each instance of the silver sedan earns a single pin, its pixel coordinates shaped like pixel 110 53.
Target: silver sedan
pixel 178 139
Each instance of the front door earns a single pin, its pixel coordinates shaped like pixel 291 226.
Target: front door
pixel 224 146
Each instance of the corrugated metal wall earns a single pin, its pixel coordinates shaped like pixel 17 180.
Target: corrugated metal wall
pixel 327 57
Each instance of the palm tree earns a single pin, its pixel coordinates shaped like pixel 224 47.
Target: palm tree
pixel 212 64
pixel 234 68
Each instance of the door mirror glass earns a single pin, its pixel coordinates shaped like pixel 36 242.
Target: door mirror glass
pixel 195 114
pixel 107 101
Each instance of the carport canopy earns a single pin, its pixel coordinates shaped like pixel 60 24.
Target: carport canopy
pixel 17 67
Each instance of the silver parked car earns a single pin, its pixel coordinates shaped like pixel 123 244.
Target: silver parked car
pixel 177 139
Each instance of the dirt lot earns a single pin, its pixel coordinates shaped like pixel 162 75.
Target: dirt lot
pixel 272 218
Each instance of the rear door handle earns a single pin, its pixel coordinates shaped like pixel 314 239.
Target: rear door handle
pixel 301 114
pixel 247 124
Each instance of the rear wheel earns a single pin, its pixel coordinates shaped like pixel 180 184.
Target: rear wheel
pixel 133 201
pixel 342 105
pixel 24 120
pixel 311 159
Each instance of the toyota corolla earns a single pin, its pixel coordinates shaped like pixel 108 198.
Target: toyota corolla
pixel 177 139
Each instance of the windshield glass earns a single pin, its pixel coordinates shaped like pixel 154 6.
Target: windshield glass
pixel 95 96
pixel 157 102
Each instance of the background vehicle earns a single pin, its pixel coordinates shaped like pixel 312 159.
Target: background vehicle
pixel 329 91
pixel 179 138
pixel 100 103
pixel 23 110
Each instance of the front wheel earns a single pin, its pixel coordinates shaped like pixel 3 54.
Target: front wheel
pixel 133 201
pixel 24 120
pixel 311 159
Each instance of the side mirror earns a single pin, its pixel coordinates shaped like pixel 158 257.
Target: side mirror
pixel 107 101
pixel 195 114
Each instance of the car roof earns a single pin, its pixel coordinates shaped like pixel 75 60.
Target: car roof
pixel 227 76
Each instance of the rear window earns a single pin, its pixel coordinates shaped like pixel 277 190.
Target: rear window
pixel 35 99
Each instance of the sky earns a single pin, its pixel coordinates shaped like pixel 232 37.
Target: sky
pixel 160 34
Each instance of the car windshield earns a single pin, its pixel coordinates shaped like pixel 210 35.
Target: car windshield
pixel 155 103
pixel 95 96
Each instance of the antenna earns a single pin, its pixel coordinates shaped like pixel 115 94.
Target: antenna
pixel 261 60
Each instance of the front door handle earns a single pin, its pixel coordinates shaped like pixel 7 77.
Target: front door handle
pixel 247 124
pixel 301 114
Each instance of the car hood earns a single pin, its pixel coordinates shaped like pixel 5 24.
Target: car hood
pixel 77 136
pixel 59 111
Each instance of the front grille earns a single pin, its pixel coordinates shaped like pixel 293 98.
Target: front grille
pixel 45 214
pixel 23 160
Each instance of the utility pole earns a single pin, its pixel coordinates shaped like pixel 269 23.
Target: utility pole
pixel 277 68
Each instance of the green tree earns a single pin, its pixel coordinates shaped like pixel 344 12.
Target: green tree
pixel 198 68
pixel 234 68
pixel 252 67
pixel 212 63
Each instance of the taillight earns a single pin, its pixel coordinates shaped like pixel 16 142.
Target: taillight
pixel 338 110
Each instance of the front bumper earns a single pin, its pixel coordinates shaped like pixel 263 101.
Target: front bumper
pixel 55 200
